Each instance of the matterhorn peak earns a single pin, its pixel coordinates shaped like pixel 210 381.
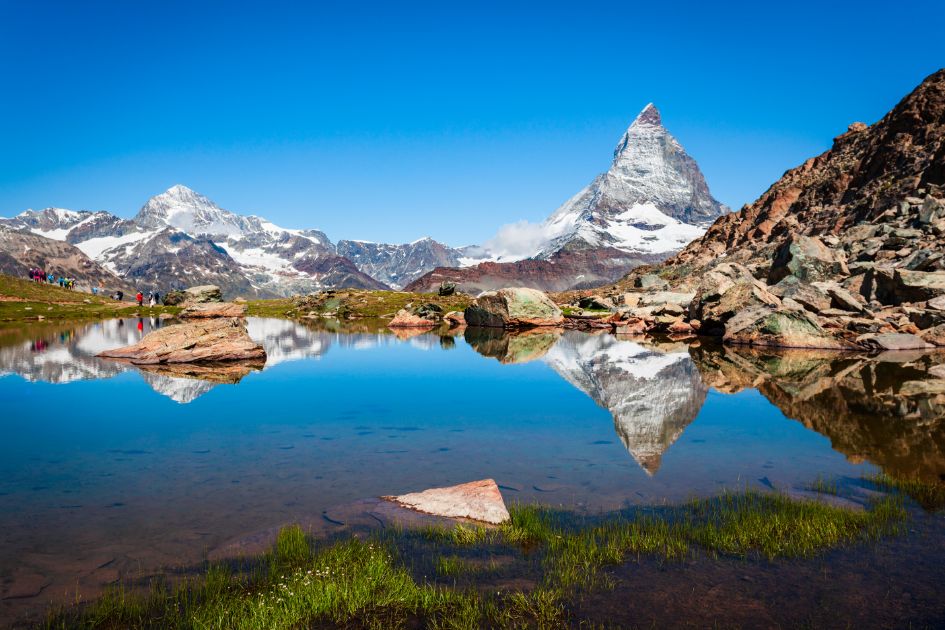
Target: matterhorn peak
pixel 648 116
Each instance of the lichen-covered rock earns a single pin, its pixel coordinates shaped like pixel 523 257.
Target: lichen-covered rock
pixel 513 308
pixel 476 500
pixel 213 309
pixel 807 258
pixel 512 347
pixel 724 291
pixel 205 340
pixel 765 326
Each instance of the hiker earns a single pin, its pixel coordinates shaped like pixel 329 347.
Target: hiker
pixel 50 278
pixel 139 297
pixel 152 299
pixel 157 298
pixel 119 295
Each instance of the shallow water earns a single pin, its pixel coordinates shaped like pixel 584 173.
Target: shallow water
pixel 108 471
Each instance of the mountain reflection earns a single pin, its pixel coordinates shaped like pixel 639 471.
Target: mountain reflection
pixel 653 391
pixel 887 409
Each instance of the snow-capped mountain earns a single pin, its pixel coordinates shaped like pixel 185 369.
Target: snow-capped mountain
pixel 399 265
pixel 652 394
pixel 650 203
pixel 181 238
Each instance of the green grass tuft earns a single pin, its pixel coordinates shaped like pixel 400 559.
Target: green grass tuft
pixel 929 494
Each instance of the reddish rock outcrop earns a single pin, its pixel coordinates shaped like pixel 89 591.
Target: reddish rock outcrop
pixel 476 500
pixel 213 309
pixel 209 340
pixel 406 319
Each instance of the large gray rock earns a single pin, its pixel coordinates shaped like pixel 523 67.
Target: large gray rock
pixel 517 307
pixel 898 286
pixel 893 341
pixel 808 296
pixel 765 326
pixel 724 291
pixel 807 258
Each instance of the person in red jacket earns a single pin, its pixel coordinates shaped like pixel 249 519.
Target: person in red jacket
pixel 140 298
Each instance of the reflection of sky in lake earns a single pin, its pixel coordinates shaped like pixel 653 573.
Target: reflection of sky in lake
pixel 108 466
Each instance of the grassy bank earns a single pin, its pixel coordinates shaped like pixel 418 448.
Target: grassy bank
pixel 22 300
pixel 460 577
pixel 353 304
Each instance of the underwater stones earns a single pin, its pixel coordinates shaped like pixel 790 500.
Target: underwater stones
pixel 206 340
pixel 476 500
pixel 517 307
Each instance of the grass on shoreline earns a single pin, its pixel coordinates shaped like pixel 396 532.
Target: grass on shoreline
pixel 452 577
pixel 22 300
pixel 928 494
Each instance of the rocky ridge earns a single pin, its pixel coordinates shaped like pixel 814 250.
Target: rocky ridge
pixel 845 252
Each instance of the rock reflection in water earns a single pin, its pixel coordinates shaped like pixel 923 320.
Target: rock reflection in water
pixel 653 391
pixel 887 409
pixel 507 347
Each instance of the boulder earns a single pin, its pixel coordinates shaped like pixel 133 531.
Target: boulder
pixel 724 291
pixel 206 340
pixel 666 297
pixel 892 341
pixel 807 258
pixel 406 319
pixel 765 326
pixel 454 319
pixel 446 288
pixel 649 281
pixel 900 286
pixel 476 500
pixel 596 303
pixel 840 297
pixel 808 296
pixel 937 304
pixel 934 336
pixel 513 308
pixel 213 309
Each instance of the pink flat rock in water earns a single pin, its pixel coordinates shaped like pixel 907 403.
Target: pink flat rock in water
pixel 476 500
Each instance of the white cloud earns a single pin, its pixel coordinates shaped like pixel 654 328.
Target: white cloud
pixel 522 239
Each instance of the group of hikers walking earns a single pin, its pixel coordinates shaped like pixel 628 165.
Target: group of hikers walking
pixel 39 275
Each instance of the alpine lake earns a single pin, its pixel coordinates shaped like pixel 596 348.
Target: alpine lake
pixel 112 474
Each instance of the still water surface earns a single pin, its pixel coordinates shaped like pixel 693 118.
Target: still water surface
pixel 108 471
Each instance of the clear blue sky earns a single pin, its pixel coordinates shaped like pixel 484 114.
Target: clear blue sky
pixel 391 121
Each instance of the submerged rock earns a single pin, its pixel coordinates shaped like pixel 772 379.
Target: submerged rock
pixel 513 308
pixel 476 500
pixel 210 340
pixel 213 309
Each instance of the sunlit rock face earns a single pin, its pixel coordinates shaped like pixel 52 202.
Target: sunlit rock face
pixel 887 409
pixel 653 394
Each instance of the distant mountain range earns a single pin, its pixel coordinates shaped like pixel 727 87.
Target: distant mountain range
pixel 650 204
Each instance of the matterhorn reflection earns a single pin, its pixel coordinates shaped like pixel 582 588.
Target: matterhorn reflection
pixel 653 391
